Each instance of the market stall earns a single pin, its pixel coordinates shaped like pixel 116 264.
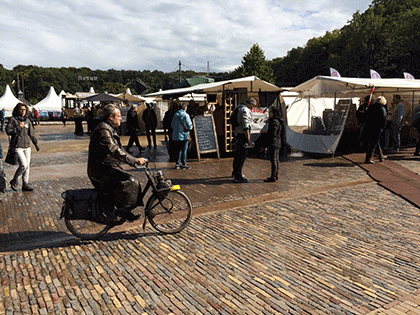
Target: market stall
pixel 326 106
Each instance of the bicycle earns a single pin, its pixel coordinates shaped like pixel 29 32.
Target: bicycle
pixel 168 209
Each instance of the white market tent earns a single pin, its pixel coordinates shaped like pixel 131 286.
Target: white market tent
pixel 253 83
pixel 52 102
pixel 8 101
pixel 326 101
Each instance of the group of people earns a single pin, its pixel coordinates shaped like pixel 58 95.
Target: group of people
pixel 243 142
pixel 373 119
pixel 150 120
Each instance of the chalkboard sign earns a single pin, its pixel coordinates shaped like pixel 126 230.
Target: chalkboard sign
pixel 205 135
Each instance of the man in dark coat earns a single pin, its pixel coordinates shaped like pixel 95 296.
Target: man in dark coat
pixel 133 127
pixel 375 123
pixel 150 121
pixel 105 157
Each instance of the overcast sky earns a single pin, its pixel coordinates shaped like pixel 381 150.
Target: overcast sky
pixel 155 35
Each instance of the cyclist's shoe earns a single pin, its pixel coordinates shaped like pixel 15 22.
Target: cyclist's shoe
pixel 132 217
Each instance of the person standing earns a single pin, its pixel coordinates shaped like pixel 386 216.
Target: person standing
pixel 167 128
pixel 78 121
pixel 242 134
pixel 20 128
pixel 2 119
pixel 133 127
pixel 397 121
pixel 416 124
pixel 2 173
pixel 361 118
pixel 150 120
pixel 36 116
pixel 181 126
pixel 275 125
pixel 64 116
pixel 375 123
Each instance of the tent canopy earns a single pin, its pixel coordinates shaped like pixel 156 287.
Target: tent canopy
pixel 8 101
pixel 130 98
pixel 323 106
pixel 102 97
pixel 252 83
pixel 330 85
pixel 52 102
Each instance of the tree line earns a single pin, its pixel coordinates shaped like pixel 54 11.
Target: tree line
pixel 383 38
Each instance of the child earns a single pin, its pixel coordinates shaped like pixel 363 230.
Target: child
pixel 275 125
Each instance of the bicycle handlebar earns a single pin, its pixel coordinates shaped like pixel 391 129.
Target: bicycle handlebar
pixel 142 167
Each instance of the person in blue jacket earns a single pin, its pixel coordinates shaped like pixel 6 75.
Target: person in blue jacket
pixel 181 125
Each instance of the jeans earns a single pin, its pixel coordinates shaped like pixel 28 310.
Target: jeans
pixel 241 153
pixel 181 152
pixel 396 136
pixel 24 160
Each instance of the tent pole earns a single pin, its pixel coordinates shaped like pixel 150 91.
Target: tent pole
pixel 412 110
pixel 309 111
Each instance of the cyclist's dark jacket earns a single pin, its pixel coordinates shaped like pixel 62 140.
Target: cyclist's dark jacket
pixel 104 169
pixel 105 149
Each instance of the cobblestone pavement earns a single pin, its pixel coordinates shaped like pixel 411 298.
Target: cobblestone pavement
pixel 325 239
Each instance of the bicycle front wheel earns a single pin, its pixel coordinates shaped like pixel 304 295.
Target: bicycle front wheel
pixel 85 229
pixel 170 215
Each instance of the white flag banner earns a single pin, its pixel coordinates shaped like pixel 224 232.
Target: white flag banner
pixel 334 73
pixel 374 74
pixel 408 76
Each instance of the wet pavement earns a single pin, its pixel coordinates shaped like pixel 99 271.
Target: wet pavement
pixel 324 239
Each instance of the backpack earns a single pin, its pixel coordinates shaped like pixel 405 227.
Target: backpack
pixel 233 120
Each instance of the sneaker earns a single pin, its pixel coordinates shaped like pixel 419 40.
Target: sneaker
pixel 14 185
pixel 177 167
pixel 185 167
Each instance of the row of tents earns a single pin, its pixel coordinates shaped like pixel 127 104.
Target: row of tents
pixel 318 101
pixel 54 103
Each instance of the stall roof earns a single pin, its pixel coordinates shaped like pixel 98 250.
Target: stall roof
pixel 102 97
pixel 329 85
pixel 252 83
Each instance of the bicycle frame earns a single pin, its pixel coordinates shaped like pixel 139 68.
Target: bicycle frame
pixel 150 184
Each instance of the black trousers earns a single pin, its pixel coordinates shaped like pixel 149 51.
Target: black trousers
pixel 122 189
pixel 274 156
pixel 241 153
pixel 418 142
pixel 133 139
pixel 151 131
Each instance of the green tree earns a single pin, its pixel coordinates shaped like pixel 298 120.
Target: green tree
pixel 254 63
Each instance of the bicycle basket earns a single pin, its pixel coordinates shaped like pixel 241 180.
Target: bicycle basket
pixel 163 187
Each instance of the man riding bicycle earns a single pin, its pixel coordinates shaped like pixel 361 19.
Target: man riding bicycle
pixel 104 169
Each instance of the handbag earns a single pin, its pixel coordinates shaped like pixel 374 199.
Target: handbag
pixel 11 157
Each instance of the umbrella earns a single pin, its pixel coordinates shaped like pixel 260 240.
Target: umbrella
pixel 102 97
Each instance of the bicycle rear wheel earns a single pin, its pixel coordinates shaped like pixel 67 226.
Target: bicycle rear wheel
pixel 170 215
pixel 85 229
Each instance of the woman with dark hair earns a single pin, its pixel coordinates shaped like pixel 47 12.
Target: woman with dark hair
pixel 275 125
pixel 20 128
